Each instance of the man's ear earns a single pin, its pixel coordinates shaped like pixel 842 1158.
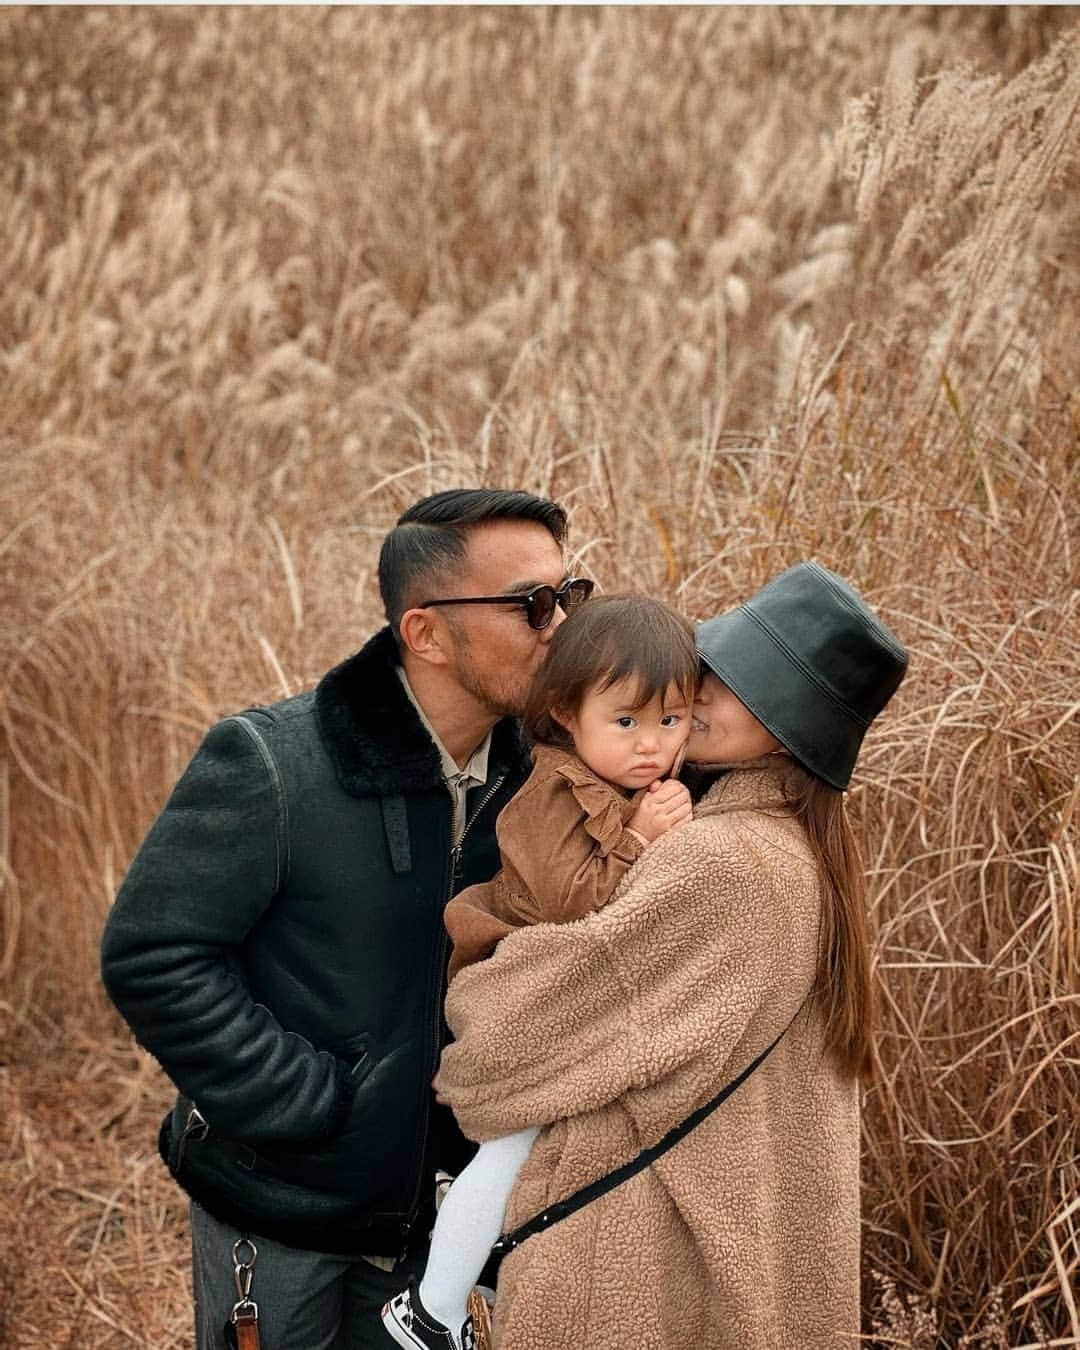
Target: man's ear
pixel 424 634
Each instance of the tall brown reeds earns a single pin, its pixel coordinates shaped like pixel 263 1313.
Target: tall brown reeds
pixel 739 286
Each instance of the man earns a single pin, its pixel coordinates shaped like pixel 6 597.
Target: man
pixel 278 942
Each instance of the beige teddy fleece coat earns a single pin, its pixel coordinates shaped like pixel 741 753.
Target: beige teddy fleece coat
pixel 610 1031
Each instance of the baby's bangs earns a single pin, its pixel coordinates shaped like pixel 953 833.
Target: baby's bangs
pixel 609 639
pixel 656 661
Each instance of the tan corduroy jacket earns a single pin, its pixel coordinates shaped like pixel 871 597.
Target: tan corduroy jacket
pixel 564 847
pixel 609 1032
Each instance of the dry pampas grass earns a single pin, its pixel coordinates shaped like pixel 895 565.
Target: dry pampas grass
pixel 739 287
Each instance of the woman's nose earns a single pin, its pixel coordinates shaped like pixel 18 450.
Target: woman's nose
pixel 559 617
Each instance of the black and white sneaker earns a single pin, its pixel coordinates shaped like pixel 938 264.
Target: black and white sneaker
pixel 411 1325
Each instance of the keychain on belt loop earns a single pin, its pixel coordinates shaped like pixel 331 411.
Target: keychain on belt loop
pixel 242 1328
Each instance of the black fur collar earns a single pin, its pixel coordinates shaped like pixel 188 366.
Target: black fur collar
pixel 378 745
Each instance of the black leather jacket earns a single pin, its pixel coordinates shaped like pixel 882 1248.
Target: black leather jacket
pixel 278 945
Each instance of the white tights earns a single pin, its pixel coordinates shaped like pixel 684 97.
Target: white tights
pixel 468 1225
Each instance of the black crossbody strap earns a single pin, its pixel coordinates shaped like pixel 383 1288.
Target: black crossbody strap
pixel 539 1223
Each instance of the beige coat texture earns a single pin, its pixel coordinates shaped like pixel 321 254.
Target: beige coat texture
pixel 610 1031
pixel 564 847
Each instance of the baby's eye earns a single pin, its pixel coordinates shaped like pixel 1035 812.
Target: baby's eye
pixel 627 723
pixel 670 720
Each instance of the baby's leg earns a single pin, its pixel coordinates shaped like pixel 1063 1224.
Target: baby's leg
pixel 469 1223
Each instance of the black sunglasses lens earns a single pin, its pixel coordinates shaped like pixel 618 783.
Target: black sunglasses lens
pixel 541 607
pixel 574 594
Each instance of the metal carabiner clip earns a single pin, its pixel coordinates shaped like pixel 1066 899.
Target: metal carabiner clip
pixel 244 1269
pixel 242 1328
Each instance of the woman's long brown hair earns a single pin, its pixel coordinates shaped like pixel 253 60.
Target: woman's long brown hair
pixel 843 987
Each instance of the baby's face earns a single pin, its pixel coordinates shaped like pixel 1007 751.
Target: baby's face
pixel 626 744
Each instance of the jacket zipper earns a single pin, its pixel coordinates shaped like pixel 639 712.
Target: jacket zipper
pixel 455 852
pixel 455 863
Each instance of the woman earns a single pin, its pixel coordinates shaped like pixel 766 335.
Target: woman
pixel 744 925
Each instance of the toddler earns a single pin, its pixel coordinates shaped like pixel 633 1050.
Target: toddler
pixel 609 713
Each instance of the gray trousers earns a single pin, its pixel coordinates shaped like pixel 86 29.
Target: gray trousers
pixel 307 1300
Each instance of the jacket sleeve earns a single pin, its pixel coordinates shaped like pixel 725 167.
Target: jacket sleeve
pixel 651 996
pixel 205 874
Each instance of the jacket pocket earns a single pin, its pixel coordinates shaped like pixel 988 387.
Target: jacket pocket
pixel 357 1051
pixel 371 1153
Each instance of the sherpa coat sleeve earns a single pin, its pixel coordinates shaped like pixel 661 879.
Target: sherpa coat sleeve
pixel 206 872
pixel 661 985
pixel 564 847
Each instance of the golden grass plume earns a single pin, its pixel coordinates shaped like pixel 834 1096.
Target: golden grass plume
pixel 739 286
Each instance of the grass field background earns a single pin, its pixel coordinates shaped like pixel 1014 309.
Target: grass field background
pixel 739 287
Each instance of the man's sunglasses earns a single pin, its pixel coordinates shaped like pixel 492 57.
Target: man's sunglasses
pixel 539 603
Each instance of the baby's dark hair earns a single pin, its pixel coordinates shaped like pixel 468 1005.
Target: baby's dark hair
pixel 611 638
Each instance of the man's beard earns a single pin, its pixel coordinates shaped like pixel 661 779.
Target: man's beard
pixel 499 692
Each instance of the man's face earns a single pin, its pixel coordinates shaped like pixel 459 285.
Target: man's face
pixel 494 654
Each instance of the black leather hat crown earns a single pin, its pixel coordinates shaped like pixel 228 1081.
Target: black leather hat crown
pixel 811 661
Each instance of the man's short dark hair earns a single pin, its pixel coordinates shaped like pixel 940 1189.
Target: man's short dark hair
pixel 430 540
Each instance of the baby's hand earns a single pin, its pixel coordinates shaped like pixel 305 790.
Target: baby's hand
pixel 665 805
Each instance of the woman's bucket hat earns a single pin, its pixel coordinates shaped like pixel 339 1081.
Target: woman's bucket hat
pixel 811 661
